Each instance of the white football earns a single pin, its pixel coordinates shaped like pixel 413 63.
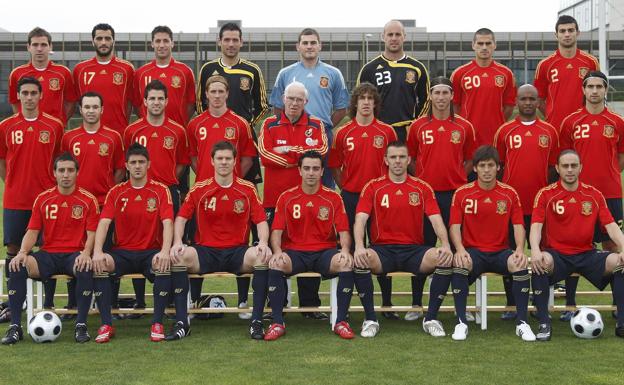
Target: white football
pixel 586 323
pixel 45 327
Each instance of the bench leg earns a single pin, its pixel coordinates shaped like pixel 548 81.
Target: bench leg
pixel 551 296
pixel 29 301
pixel 39 295
pixel 289 292
pixel 478 289
pixel 483 296
pixel 333 302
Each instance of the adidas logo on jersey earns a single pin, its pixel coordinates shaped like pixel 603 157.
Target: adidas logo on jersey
pixel 399 192
pixel 64 204
pixel 528 133
pixel 29 129
pixel 379 66
pixel 485 75
pixel 441 129
pixel 572 200
pixel 91 142
pixel 309 204
pixel 154 135
pixel 225 198
pixel 138 198
pixel 594 123
pixel 40 78
pixel 215 73
pixel 364 135
pixel 569 66
pixel 216 125
pixel 162 75
pixel 487 200
pixel 103 72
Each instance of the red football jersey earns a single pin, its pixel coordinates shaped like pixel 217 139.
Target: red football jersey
pixel 559 82
pixel 138 214
pixel 397 210
pixel 64 219
pixel 113 81
pixel 205 130
pixel 482 92
pixel 56 83
pixel 526 151
pixel 439 149
pixel 280 170
pixel 359 151
pixel 29 149
pixel 224 214
pixel 310 221
pixel 598 139
pixel 99 154
pixel 180 83
pixel 476 209
pixel 569 217
pixel 166 144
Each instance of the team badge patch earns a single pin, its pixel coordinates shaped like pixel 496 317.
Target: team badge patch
pixel 583 71
pixel 455 137
pixel 499 80
pixel 118 78
pixel 324 82
pixel 608 131
pixel 414 199
pixel 410 77
pixel 77 212
pixel 44 137
pixel 168 142
pixel 323 213
pixel 501 207
pixel 151 205
pixel 245 83
pixel 103 149
pixel 229 133
pixel 54 84
pixel 586 208
pixel 378 141
pixel 176 82
pixel 311 142
pixel 543 141
pixel 239 206
pixel 308 133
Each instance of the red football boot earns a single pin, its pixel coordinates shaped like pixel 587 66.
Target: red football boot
pixel 343 329
pixel 275 331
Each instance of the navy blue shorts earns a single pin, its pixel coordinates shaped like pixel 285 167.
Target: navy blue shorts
pixel 444 199
pixel 527 230
pixel 350 200
pixel 54 263
pixel 134 262
pixel 488 262
pixel 15 225
pixel 212 260
pixel 590 264
pixel 317 261
pixel 175 198
pixel 615 207
pixel 400 257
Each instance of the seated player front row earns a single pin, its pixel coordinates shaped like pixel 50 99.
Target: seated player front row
pixel 307 218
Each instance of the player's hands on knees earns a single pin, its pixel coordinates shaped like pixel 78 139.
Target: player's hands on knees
pixel 263 252
pixel 360 257
pixel 461 259
pixel 445 256
pixel 82 262
pixel 278 261
pixel 538 262
pixel 161 261
pixel 17 261
pixel 99 262
pixel 519 259
pixel 345 259
pixel 176 252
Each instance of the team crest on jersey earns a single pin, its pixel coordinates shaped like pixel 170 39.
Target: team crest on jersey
pixel 168 142
pixel 608 131
pixel 229 133
pixel 414 199
pixel 77 212
pixel 308 133
pixel 118 78
pixel 543 141
pixel 586 208
pixel 583 71
pixel 176 82
pixel 323 213
pixel 378 141
pixel 455 137
pixel 245 83
pixel 151 205
pixel 239 206
pixel 311 142
pixel 501 207
pixel 410 77
pixel 54 84
pixel 44 137
pixel 324 82
pixel 499 80
pixel 103 149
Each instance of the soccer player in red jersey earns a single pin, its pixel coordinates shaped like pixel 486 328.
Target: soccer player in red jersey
pixel 559 77
pixel 215 124
pixel 176 75
pixel 483 204
pixel 441 146
pixel 485 90
pixel 564 216
pixel 395 206
pixel 225 207
pixel 29 141
pixel 164 139
pixel 528 149
pixel 58 94
pixel 67 216
pixel 109 76
pixel 307 218
pixel 143 213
